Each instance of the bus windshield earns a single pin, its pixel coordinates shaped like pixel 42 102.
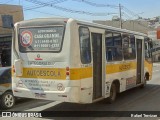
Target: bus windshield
pixel 39 39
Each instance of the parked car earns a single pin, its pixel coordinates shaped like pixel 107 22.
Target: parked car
pixel 7 99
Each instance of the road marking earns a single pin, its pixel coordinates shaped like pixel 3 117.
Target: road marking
pixel 41 108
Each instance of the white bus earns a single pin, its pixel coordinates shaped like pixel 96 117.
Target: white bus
pixel 75 61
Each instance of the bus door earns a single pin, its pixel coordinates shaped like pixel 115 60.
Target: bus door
pixel 97 64
pixel 139 60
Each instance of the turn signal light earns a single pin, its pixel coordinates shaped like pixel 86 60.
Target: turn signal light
pixel 67 70
pixel 67 73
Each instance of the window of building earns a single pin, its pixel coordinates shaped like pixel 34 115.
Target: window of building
pixel 129 47
pixel 113 46
pixel 5 75
pixel 5 42
pixel 5 51
pixel 85 47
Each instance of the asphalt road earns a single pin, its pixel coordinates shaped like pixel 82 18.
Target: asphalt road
pixel 137 99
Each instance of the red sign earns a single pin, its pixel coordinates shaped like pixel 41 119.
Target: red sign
pixel 158 32
pixel 26 38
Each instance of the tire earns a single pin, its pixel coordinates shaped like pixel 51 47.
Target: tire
pixel 113 94
pixel 7 100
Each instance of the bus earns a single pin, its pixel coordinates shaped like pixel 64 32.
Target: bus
pixel 68 60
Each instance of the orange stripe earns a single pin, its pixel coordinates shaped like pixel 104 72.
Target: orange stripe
pixel 114 68
pixel 75 73
pixel 6 85
pixel 44 73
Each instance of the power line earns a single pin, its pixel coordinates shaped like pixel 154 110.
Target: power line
pixel 39 6
pixel 56 2
pixel 55 14
pixel 96 4
pixel 69 10
pixel 31 8
pixel 130 12
pixel 35 7
pixel 126 15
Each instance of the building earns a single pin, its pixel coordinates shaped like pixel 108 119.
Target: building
pixel 134 25
pixel 9 14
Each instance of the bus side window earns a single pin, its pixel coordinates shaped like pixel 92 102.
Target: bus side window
pixel 109 55
pixel 148 49
pixel 113 44
pixel 109 43
pixel 85 48
pixel 129 47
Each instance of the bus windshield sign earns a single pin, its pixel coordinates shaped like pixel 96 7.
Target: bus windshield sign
pixel 41 39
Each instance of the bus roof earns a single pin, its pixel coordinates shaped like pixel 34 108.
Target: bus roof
pixel 42 22
pixel 49 21
pixel 110 28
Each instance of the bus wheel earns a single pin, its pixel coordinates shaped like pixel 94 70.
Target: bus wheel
pixel 113 94
pixel 7 100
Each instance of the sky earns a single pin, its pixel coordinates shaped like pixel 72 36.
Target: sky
pixel 87 9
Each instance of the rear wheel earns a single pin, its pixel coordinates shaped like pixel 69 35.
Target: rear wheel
pixel 7 100
pixel 113 94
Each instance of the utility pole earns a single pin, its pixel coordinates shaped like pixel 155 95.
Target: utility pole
pixel 120 15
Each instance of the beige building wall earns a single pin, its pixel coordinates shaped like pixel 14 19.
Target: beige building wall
pixel 6 33
pixel 15 11
pixel 138 26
